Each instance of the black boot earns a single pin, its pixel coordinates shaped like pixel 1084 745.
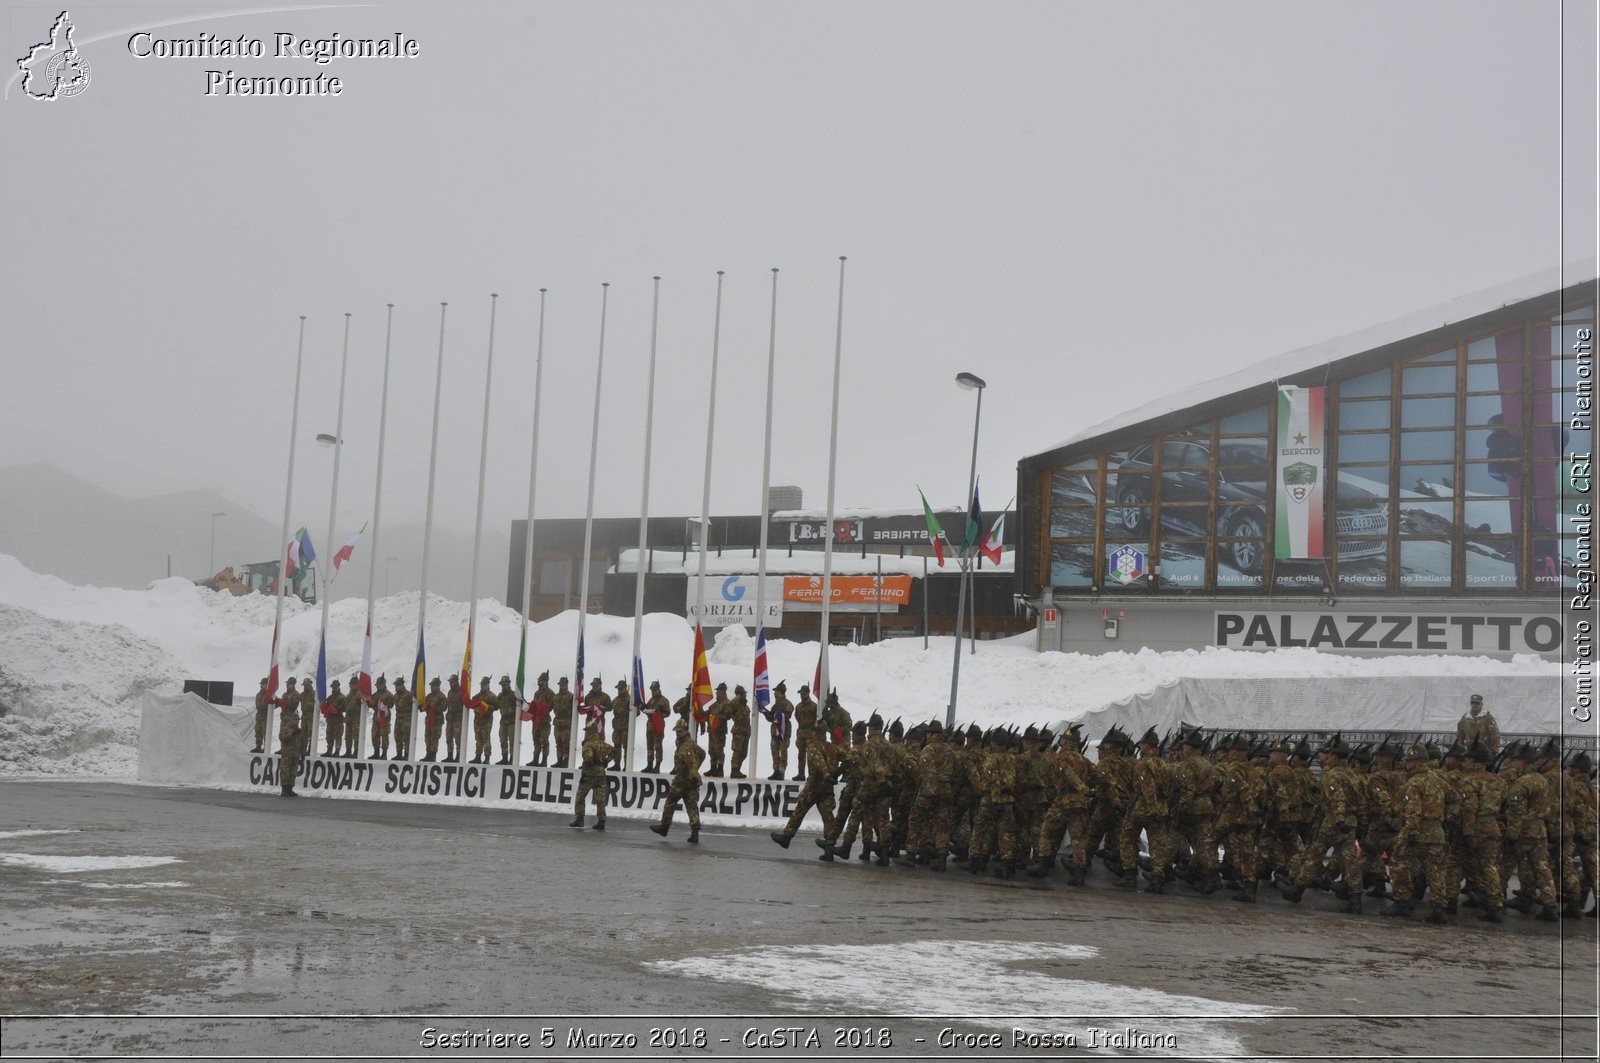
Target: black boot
pixel 1398 909
pixel 577 822
pixel 1492 915
pixel 694 836
pixel 1246 894
pixel 780 837
pixel 599 825
pixel 826 856
pixel 661 829
pixel 1439 916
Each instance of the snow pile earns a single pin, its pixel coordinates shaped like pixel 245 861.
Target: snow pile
pixel 74 662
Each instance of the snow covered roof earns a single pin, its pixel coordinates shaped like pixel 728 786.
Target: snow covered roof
pixel 802 563
pixel 1284 366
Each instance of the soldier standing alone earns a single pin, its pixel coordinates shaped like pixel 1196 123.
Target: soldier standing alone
pixel 1477 725
pixel 592 778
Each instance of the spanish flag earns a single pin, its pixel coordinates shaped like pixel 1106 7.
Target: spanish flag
pixel 702 693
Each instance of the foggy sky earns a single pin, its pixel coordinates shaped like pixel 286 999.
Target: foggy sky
pixel 1086 204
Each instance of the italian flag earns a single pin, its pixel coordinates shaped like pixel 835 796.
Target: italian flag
pixel 1301 473
pixel 935 533
pixel 993 546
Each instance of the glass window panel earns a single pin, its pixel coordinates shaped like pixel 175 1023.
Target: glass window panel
pixel 1493 477
pixel 1242 452
pixel 1427 446
pixel 1130 478
pixel 1072 522
pixel 1298 575
pixel 1073 485
pixel 1232 578
pixel 1427 518
pixel 1570 341
pixel 1182 564
pixel 1368 385
pixel 1557 407
pixel 1200 432
pixel 1072 564
pixel 1127 565
pixel 1497 443
pixel 1446 355
pixel 1363 565
pixel 1492 409
pixel 1491 563
pixel 1494 376
pixel 1185 520
pixel 1240 423
pixel 1547 568
pixel 1427 481
pixel 1370 414
pixel 555 576
pixel 1182 454
pixel 1363 520
pixel 1369 446
pixel 1362 482
pixel 1127 520
pixel 1425 563
pixel 1240 562
pixel 1426 379
pixel 1427 413
pixel 1491 516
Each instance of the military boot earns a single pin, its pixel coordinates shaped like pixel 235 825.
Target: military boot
pixel 1492 915
pixel 780 837
pixel 1547 914
pixel 1521 903
pixel 1439 916
pixel 1352 906
pixel 1157 883
pixel 1571 911
pixel 1398 909
pixel 661 829
pixel 1291 893
pixel 936 864
pixel 1075 876
pixel 977 864
pixel 1127 880
pixel 600 824
pixel 694 836
pixel 826 856
pixel 577 822
pixel 1246 894
pixel 866 852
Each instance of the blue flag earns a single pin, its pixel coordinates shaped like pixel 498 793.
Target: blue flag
pixel 322 669
pixel 638 682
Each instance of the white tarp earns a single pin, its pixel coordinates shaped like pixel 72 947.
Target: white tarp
pixel 186 741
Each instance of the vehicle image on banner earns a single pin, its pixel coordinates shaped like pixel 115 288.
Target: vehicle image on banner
pixel 1241 500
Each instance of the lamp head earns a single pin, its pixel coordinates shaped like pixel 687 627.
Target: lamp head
pixel 970 382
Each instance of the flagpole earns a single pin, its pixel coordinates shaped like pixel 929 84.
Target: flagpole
pixel 966 569
pixel 763 684
pixel 377 514
pixel 467 691
pixel 833 465
pixel 419 673
pixel 333 507
pixel 644 538
pixel 695 699
pixel 527 538
pixel 576 738
pixel 288 494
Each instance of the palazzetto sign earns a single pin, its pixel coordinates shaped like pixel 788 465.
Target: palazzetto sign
pixel 1394 632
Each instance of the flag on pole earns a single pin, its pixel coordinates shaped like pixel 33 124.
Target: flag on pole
pixel 322 669
pixel 366 663
pixel 992 545
pixel 816 678
pixel 301 553
pixel 419 673
pixel 701 693
pixel 935 533
pixel 344 552
pixel 272 676
pixel 577 687
pixel 763 683
pixel 522 668
pixel 974 524
pixel 638 682
pixel 466 671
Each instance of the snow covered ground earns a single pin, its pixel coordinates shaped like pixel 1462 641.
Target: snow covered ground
pixel 74 661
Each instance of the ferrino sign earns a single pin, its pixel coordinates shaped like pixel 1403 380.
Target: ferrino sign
pixel 1390 632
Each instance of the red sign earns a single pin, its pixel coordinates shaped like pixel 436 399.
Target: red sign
pixel 848 590
pixel 1049 616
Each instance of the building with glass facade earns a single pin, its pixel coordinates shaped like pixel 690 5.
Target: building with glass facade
pixel 1443 466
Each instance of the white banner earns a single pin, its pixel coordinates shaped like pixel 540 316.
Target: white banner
pixel 731 601
pixel 1390 631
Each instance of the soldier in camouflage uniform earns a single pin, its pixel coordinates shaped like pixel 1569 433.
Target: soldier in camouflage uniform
pixel 405 703
pixel 655 715
pixel 928 839
pixel 596 704
pixel 263 709
pixel 716 719
pixel 382 719
pixel 1340 798
pixel 850 770
pixel 309 709
pixel 1068 814
pixel 822 759
pixel 621 710
pixel 433 708
pixel 994 825
pixel 1478 726
pixel 333 712
pixel 454 709
pixel 1032 793
pixel 1196 811
pixel 870 811
pixel 1581 812
pixel 1483 797
pixel 541 708
pixel 481 705
pixel 353 705
pixel 1385 789
pixel 1242 794
pixel 740 726
pixel 1527 794
pixel 685 785
pixel 840 727
pixel 288 704
pixel 1558 826
pixel 805 725
pixel 561 712
pixel 1453 775
pixel 1419 847
pixel 780 715
pixel 1150 812
pixel 291 750
pixel 592 776
pixel 508 705
pixel 1113 782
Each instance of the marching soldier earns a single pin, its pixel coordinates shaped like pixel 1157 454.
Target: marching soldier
pixel 1341 798
pixel 779 714
pixel 433 725
pixel 850 770
pixel 405 703
pixel 1151 812
pixel 333 711
pixel 508 703
pixel 870 814
pixel 539 711
pixel 685 785
pixel 592 776
pixel 1483 797
pixel 1113 783
pixel 382 719
pixel 655 715
pixel 263 709
pixel 1419 847
pixel 805 725
pixel 817 792
pixel 292 751
pixel 837 719
pixel 929 836
pixel 621 707
pixel 994 825
pixel 1580 797
pixel 741 732
pixel 561 711
pixel 1527 794
pixel 1241 791
pixel 1068 815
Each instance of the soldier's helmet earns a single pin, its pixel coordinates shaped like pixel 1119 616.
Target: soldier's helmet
pixel 544 677
pixel 1551 750
pixel 833 697
pixel 594 684
pixel 1302 748
pixel 897 729
pixel 859 729
pixel 505 680
pixel 593 724
pixel 722 687
pixel 1030 732
pixel 739 691
pixel 1072 737
pixel 1150 738
pixel 805 688
pixel 1456 749
pixel 934 727
pixel 455 680
pixel 1417 752
pixel 1334 746
pixel 622 684
pixel 655 684
pixel 782 687
pixel 355 679
pixel 1580 762
pixel 1046 736
pixel 336 684
pixel 383 681
pixel 305 684
pixel 399 683
pixel 562 681
pixel 1195 739
pixel 265 678
pixel 435 683
pixel 485 684
pixel 682 726
pixel 875 722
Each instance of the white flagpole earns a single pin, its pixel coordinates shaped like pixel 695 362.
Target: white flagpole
pixel 283 540
pixel 766 478
pixel 419 670
pixel 644 530
pixel 377 514
pixel 527 539
pixel 576 742
pixel 711 426
pixel 477 536
pixel 333 508
pixel 833 463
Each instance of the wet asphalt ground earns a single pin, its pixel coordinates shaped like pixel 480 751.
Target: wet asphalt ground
pixel 318 928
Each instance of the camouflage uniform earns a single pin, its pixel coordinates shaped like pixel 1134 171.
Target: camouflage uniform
pixel 716 721
pixel 1242 793
pixel 308 713
pixel 352 716
pixel 405 703
pixel 1478 727
pixel 1558 825
pixel 1033 795
pixel 1113 783
pixel 1579 797
pixel 930 816
pixel 291 750
pixel 741 733
pixel 1291 799
pixel 907 765
pixel 1340 800
pixel 837 719
pixel 1151 812
pixel 655 713
pixel 621 708
pixel 805 723
pixel 685 785
pixel 561 708
pixel 849 771
pixel 542 708
pixel 592 778
pixel 870 816
pixel 1196 811
pixel 1483 797
pixel 1068 813
pixel 1527 794
pixel 454 709
pixel 382 719
pixel 1385 790
pixel 263 710
pixel 1419 848
pixel 333 712
pixel 779 714
pixel 822 757
pixel 596 704
pixel 482 706
pixel 509 705
pixel 433 707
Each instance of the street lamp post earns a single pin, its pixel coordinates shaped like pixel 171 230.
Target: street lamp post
pixel 211 558
pixel 971 383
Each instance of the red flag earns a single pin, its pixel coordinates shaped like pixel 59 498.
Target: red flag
pixel 701 695
pixel 992 546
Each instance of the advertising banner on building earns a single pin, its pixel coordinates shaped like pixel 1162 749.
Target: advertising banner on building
pixel 1397 632
pixel 845 532
pixel 892 591
pixel 731 600
pixel 1301 474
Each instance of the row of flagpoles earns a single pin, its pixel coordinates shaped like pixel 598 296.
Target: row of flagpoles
pixel 299 549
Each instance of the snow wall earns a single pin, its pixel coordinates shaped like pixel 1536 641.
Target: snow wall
pixel 183 741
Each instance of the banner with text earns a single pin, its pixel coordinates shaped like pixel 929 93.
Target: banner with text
pixel 731 601
pixel 1301 473
pixel 890 591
